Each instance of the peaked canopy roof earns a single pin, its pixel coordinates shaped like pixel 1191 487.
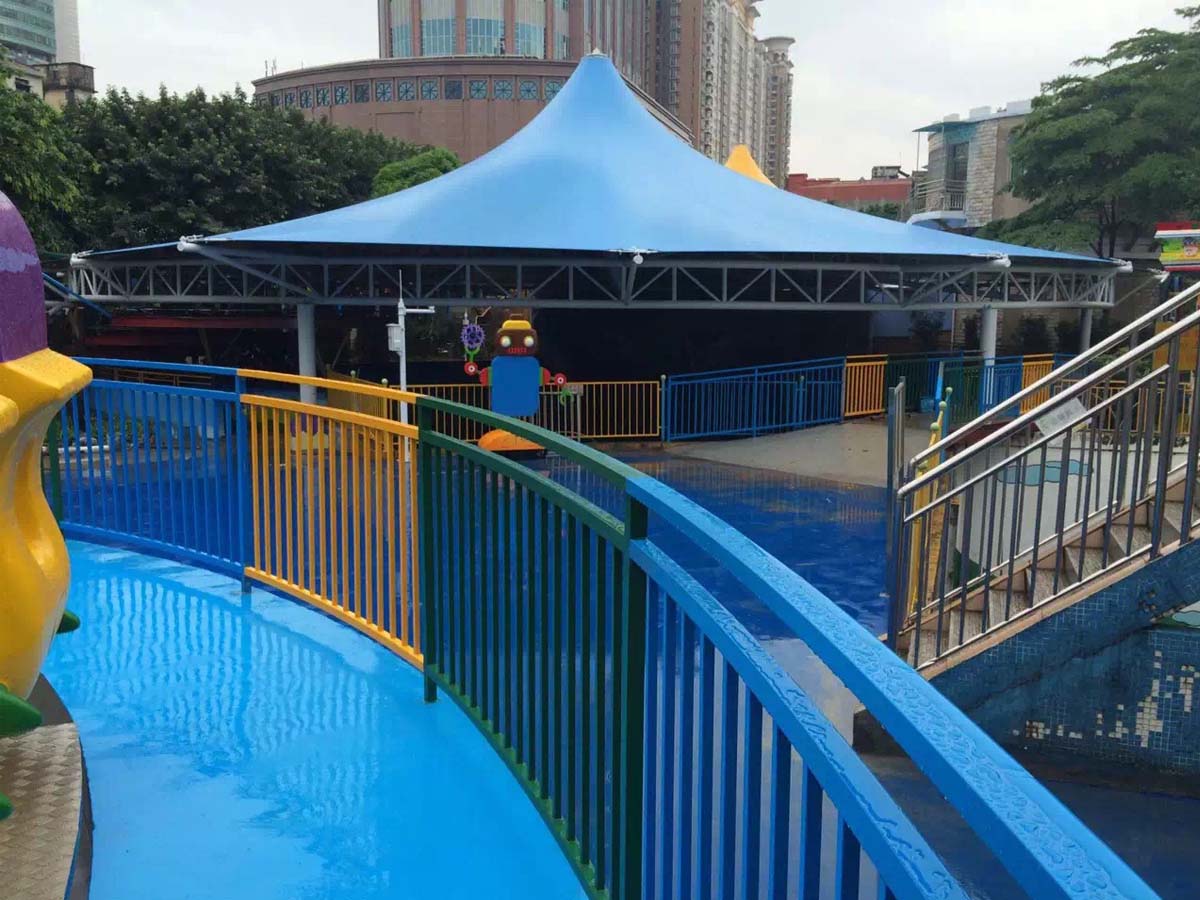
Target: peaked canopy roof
pixel 742 161
pixel 595 173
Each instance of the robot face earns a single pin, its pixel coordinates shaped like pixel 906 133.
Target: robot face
pixel 516 338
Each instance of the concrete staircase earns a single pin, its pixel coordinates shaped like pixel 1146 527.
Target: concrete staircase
pixel 1079 481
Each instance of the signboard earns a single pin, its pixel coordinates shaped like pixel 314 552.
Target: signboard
pixel 1180 246
pixel 1058 418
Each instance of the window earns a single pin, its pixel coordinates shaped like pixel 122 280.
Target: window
pixel 276 100
pixel 306 97
pixel 341 95
pixel 322 96
pixel 485 27
pixel 454 89
pixel 402 40
pixel 429 89
pixel 553 86
pixel 362 92
pixel 956 161
pixel 437 27
pixel 406 90
pixel 529 89
pixel 478 89
pixel 504 89
pixel 383 92
pixel 289 98
pixel 531 28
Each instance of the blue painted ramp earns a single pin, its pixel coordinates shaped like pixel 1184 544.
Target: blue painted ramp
pixel 248 747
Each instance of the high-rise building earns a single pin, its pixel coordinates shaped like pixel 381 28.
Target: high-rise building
pixel 779 109
pixel 66 29
pixel 466 74
pixel 27 30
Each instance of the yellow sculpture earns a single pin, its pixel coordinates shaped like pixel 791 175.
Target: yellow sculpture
pixel 34 384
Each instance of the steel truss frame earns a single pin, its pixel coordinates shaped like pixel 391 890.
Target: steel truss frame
pixel 208 276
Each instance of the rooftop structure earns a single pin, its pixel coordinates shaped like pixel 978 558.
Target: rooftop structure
pixel 965 182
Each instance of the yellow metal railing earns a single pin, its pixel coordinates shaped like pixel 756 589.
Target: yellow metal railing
pixel 865 392
pixel 918 552
pixel 1033 369
pixel 333 496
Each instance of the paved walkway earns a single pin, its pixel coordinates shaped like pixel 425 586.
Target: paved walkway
pixel 852 452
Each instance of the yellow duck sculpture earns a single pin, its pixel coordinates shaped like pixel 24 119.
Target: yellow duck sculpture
pixel 35 382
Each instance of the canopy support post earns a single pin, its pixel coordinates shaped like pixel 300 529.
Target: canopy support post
pixel 306 348
pixel 1085 329
pixel 989 319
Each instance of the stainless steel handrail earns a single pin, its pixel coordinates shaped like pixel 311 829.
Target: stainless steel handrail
pixel 1084 384
pixel 1132 329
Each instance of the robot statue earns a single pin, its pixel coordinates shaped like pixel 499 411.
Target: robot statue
pixel 515 376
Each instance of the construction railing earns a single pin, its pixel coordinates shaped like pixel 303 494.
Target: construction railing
pixel 664 744
pixel 1102 473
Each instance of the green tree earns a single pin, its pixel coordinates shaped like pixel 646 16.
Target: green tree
pixel 417 169
pixel 40 166
pixel 175 165
pixel 1033 335
pixel 884 209
pixel 1106 153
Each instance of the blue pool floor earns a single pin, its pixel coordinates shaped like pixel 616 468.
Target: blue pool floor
pixel 248 747
pixel 245 746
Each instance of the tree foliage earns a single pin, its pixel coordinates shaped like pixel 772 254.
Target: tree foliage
pixel 416 169
pixel 40 167
pixel 121 170
pixel 884 209
pixel 1109 150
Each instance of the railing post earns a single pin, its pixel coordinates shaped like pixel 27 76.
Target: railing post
pixel 425 547
pixel 664 395
pixel 754 405
pixel 241 421
pixel 630 671
pixel 1166 447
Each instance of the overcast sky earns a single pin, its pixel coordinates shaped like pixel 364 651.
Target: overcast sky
pixel 867 71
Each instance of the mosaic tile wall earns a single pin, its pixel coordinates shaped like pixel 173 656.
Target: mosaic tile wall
pixel 1101 679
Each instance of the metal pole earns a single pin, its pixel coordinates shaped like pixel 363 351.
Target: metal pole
pixel 1085 329
pixel 306 348
pixel 988 320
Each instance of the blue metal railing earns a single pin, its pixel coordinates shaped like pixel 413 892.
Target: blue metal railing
pixel 155 464
pixel 753 401
pixel 722 764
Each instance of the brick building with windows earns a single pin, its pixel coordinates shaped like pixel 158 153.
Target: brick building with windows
pixel 468 74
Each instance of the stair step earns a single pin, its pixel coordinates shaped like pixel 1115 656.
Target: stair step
pixel 1093 562
pixel 1043 585
pixel 1119 539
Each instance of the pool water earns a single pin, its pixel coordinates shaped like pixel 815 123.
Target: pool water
pixel 245 746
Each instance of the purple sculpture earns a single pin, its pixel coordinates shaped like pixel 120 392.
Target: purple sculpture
pixel 22 306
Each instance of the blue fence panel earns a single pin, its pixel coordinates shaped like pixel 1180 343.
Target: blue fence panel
pixel 1040 843
pixel 1000 379
pixel 158 466
pixel 753 401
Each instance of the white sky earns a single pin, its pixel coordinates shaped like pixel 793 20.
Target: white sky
pixel 867 71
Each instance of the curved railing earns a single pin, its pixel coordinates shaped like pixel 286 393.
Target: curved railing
pixel 667 748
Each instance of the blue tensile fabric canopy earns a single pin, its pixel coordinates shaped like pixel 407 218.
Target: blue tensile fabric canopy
pixel 596 173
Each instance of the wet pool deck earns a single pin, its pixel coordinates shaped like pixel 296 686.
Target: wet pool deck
pixel 853 452
pixel 246 746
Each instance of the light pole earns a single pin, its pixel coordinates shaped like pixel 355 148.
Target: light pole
pixel 397 343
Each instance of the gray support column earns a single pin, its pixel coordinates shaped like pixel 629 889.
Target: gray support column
pixel 989 318
pixel 306 347
pixel 1085 329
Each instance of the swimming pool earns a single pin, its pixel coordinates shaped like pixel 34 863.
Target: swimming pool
pixel 245 746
